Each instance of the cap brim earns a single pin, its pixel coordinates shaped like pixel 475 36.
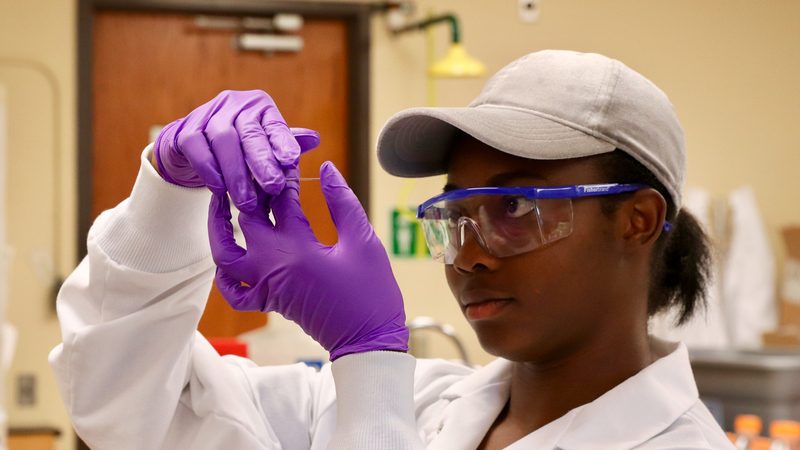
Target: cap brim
pixel 416 142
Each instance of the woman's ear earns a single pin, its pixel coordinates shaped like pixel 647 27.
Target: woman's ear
pixel 643 217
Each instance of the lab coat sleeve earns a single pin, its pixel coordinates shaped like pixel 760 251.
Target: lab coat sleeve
pixel 135 374
pixel 132 369
pixel 375 392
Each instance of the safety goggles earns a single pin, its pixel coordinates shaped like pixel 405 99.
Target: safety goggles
pixel 505 221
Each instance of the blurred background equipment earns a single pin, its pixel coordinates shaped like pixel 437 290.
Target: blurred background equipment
pixel 417 344
pixel 748 429
pixel 267 34
pixel 764 383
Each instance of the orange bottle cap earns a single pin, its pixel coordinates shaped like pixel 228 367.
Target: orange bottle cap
pixel 784 429
pixel 748 424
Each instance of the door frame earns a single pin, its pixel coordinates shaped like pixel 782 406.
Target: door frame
pixel 357 21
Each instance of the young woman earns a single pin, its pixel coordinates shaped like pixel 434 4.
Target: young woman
pixel 560 230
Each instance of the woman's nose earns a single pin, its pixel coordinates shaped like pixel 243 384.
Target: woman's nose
pixel 471 252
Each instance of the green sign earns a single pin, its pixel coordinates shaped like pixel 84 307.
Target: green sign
pixel 408 239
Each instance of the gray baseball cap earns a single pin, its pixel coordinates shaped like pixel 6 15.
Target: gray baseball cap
pixel 551 104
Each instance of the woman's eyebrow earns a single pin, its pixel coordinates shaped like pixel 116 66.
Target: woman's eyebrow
pixel 502 179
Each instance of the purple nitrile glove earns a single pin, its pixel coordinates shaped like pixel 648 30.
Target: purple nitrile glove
pixel 344 296
pixel 229 141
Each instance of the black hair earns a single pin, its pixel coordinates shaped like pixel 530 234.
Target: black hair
pixel 681 262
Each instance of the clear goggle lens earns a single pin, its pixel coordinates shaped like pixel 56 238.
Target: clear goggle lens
pixel 504 225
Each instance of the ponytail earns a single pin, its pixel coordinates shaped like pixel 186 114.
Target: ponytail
pixel 680 269
pixel 680 266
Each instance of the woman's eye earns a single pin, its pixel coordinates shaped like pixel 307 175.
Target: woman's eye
pixel 452 216
pixel 518 206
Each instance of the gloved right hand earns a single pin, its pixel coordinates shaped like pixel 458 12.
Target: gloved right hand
pixel 229 141
pixel 344 296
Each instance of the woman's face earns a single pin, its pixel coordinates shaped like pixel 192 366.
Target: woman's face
pixel 553 300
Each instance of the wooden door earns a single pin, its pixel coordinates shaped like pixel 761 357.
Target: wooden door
pixel 151 68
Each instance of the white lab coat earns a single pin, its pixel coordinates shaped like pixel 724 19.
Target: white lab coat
pixel 135 374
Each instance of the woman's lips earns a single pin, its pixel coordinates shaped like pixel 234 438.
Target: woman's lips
pixel 486 309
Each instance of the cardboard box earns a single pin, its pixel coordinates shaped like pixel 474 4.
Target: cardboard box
pixel 790 286
pixel 787 336
pixel 789 314
pixel 791 237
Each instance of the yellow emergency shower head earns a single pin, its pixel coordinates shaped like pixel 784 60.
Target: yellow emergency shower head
pixel 457 63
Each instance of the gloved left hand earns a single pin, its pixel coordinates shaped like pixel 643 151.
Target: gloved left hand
pixel 344 296
pixel 225 144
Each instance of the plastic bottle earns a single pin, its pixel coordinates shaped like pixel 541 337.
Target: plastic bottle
pixel 785 435
pixel 746 428
pixel 760 443
pixel 757 443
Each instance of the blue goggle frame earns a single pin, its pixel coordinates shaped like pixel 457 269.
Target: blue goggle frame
pixel 539 192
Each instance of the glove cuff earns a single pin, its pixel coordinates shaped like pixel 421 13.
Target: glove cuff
pixel 170 160
pixel 164 135
pixel 395 340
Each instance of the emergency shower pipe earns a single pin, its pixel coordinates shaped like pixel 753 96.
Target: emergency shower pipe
pixel 455 29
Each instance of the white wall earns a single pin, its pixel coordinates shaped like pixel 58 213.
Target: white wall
pixel 37 46
pixel 4 345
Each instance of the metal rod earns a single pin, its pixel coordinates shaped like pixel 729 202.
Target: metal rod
pixel 428 323
pixel 52 82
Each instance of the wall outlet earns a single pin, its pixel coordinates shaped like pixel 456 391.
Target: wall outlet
pixel 528 10
pixel 26 389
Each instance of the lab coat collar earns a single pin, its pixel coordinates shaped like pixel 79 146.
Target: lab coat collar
pixel 629 414
pixel 497 371
pixel 474 403
pixel 636 410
